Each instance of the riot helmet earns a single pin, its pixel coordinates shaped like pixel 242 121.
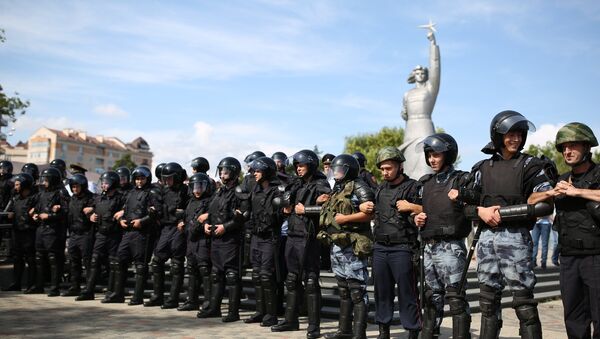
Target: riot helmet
pixel 110 180
pixel 362 160
pixel 440 143
pixel 172 170
pixel 264 164
pixel 509 121
pixel 142 171
pixel 6 168
pixel 280 159
pixel 306 157
pixel 200 183
pixel 200 165
pixel 124 175
pixel 60 165
pixel 32 169
pixel 78 179
pixel 252 156
pixel 52 176
pixel 345 167
pixel 158 170
pixel 575 132
pixel 25 180
pixel 229 169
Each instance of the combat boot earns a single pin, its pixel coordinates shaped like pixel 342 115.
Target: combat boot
pixel 259 297
pixel 345 320
pixel 529 321
pixel 234 289
pixel 18 268
pixel 216 298
pixel 290 323
pixel 191 303
pixel 270 297
pixel 313 306
pixel 118 295
pixel 140 282
pixel 176 282
pixel 158 280
pixel 384 331
pixel 54 275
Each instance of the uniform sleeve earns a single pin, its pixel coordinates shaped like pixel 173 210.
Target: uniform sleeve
pixel 363 192
pixel 535 178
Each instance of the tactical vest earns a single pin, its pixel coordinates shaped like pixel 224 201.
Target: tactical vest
pixel 21 207
pixel 306 194
pixel 194 209
pixel 340 202
pixel 264 214
pixel 391 226
pixel 78 222
pixel 445 218
pixel 137 204
pixel 502 185
pixel 579 233
pixel 173 199
pixel 105 209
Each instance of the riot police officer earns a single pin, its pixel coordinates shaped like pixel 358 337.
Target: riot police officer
pixel 244 190
pixel 171 243
pixel 302 249
pixel 266 219
pixel 23 233
pixel 348 231
pixel 507 178
pixel 444 227
pixel 6 184
pixel 224 224
pixel 33 170
pixel 364 174
pixel 81 232
pixel 198 243
pixel 49 213
pixel 108 235
pixel 577 199
pixel 158 175
pixel 142 208
pixel 395 238
pixel 200 165
pixel 124 185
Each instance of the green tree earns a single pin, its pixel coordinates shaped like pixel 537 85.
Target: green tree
pixel 549 150
pixel 124 161
pixel 370 143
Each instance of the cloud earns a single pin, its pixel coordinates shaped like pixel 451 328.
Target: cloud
pixel 110 110
pixel 543 134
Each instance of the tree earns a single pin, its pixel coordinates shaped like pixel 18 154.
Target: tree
pixel 549 150
pixel 125 161
pixel 370 143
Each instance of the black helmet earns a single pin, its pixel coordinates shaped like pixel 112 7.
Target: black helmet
pixel 78 179
pixel 508 121
pixel 362 160
pixel 200 182
pixel 442 143
pixel 306 157
pixel 327 158
pixel 279 156
pixel 112 178
pixel 347 165
pixel 265 165
pixel 6 167
pixel 174 170
pixel 123 173
pixel 32 169
pixel 60 165
pixel 232 165
pixel 142 171
pixel 53 176
pixel 200 165
pixel 252 156
pixel 25 179
pixel 158 170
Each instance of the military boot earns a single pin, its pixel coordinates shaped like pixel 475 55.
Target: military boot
pixel 234 289
pixel 39 276
pixel 313 309
pixel 259 297
pixel 206 285
pixel 118 295
pixel 360 320
pixel 158 280
pixel 270 297
pixel 290 323
pixel 461 319
pixel 529 321
pixel 54 275
pixel 90 287
pixel 176 283
pixel 191 302
pixel 141 271
pixel 430 330
pixel 384 331
pixel 345 320
pixel 216 297
pixel 74 289
pixel 18 267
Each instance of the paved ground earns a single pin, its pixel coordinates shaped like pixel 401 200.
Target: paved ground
pixel 38 316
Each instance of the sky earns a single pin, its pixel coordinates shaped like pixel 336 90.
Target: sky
pixel 226 78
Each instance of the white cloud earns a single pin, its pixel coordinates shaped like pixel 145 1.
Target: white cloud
pixel 543 134
pixel 110 110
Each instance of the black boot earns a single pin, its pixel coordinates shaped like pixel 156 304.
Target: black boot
pixel 92 277
pixel 206 285
pixel 290 323
pixel 39 275
pixel 74 289
pixel 270 297
pixel 461 319
pixel 176 283
pixel 360 320
pixel 234 289
pixel 113 274
pixel 345 320
pixel 313 306
pixel 191 303
pixel 158 280
pixel 18 267
pixel 430 329
pixel 141 271
pixel 530 326
pixel 216 297
pixel 259 297
pixel 413 334
pixel 384 331
pixel 31 272
pixel 489 301
pixel 118 295
pixel 54 275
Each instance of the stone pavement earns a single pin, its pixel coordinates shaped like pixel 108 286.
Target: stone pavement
pixel 38 316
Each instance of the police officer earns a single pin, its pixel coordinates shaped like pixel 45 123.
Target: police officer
pixel 224 224
pixel 349 232
pixel 76 169
pixel 198 243
pixel 33 170
pixel 61 166
pixel 507 178
pixel 81 232
pixel 395 238
pixel 171 243
pixel 108 235
pixel 142 208
pixel 308 190
pixel 281 161
pixel 444 227
pixel 201 165
pixel 6 183
pixel 49 213
pixel 577 199
pixel 266 219
pixel 244 190
pixel 158 175
pixel 124 185
pixel 364 174
pixel 23 233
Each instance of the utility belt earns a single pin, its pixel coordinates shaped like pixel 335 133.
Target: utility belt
pixel 392 239
pixel 362 244
pixel 440 233
pixel 80 231
pixel 264 233
pixel 581 244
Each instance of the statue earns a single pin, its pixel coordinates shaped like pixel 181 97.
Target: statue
pixel 417 108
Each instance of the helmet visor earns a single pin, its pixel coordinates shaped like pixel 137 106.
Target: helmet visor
pixel 506 125
pixel 224 173
pixel 339 172
pixel 198 187
pixel 432 143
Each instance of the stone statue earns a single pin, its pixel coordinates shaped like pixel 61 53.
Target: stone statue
pixel 417 108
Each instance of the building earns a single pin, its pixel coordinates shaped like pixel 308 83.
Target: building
pixel 95 153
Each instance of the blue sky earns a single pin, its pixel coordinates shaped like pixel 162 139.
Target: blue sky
pixel 224 78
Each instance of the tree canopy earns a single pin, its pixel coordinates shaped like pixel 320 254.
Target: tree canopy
pixel 549 150
pixel 125 161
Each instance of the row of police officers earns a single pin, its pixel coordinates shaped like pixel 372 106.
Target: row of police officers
pixel 409 228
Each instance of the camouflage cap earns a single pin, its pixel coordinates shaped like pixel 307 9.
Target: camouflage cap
pixel 575 132
pixel 389 153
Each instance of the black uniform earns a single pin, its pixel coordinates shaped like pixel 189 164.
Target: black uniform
pixel 395 243
pixel 81 238
pixel 578 224
pixel 6 190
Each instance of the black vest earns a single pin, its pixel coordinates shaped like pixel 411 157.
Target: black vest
pixel 222 208
pixel 445 218
pixel 21 207
pixel 579 233
pixel 266 217
pixel 174 199
pixel 391 226
pixel 306 193
pixel 105 208
pixel 78 222
pixel 194 209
